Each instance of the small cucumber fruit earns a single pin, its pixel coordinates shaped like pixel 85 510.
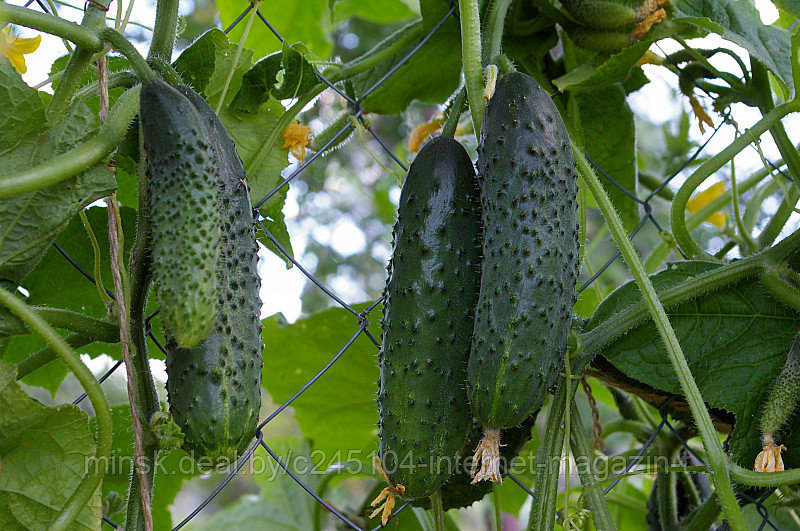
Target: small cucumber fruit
pixel 530 262
pixel 183 183
pixel 428 312
pixel 215 387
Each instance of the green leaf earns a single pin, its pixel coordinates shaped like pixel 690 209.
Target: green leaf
pixel 431 74
pixel 207 62
pixel 172 469
pixel 29 222
pixel 274 222
pixel 735 340
pixel 740 23
pixel 282 503
pixel 380 11
pixel 262 82
pixel 596 113
pixel 295 20
pixel 55 282
pixel 338 412
pixel 44 453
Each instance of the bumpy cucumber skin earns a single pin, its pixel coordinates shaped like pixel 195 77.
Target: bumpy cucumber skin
pixel 427 320
pixel 215 388
pixel 459 491
pixel 183 189
pixel 530 253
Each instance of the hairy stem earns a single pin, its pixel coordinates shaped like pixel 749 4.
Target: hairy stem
pixel 140 376
pixel 493 29
pixel 82 36
pixel 456 109
pixel 42 357
pixel 584 459
pixel 164 30
pixel 96 470
pixel 715 453
pixel 543 511
pixel 471 59
pixel 780 218
pixel 438 512
pixel 119 43
pixel 81 157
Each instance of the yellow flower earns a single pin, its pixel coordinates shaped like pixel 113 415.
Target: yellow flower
pixel 296 136
pixel 422 132
pixel 702 115
pixel 15 48
pixel 705 197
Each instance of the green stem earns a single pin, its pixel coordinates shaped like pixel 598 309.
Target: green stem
pixel 584 458
pixel 763 479
pixel 146 397
pixel 715 453
pixel 94 471
pixel 493 28
pixel 778 131
pixel 42 357
pixel 82 36
pixel 640 430
pixel 778 288
pixel 93 20
pixel 543 511
pixel 706 515
pixel 98 278
pixel 754 205
pixel 678 212
pixel 438 512
pixel 119 43
pixel 164 30
pixel 498 514
pixel 124 78
pixel 166 70
pixel 80 324
pixel 743 232
pixel 666 502
pixel 454 115
pixel 696 219
pixel 80 158
pixel 780 218
pixel 469 12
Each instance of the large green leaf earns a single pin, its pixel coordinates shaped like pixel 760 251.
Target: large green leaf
pixel 338 413
pixel 44 453
pixel 171 470
pixel 382 11
pixel 29 222
pixel 735 340
pixel 595 114
pixel 57 283
pixel 740 23
pixel 430 75
pixel 306 21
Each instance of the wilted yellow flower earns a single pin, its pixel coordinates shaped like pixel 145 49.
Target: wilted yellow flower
pixel 422 132
pixel 705 197
pixel 15 48
pixel 297 140
pixel 770 460
pixel 702 115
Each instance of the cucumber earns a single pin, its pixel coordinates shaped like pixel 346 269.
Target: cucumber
pixel 428 312
pixel 214 388
pixel 183 188
pixel 530 260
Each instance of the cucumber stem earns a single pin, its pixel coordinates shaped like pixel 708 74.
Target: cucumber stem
pixel 716 456
pixel 80 35
pixel 454 115
pixel 438 512
pixel 45 355
pixel 469 12
pixel 165 28
pixel 498 514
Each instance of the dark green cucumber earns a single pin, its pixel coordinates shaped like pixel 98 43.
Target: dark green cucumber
pixel 215 388
pixel 427 320
pixel 183 179
pixel 530 253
